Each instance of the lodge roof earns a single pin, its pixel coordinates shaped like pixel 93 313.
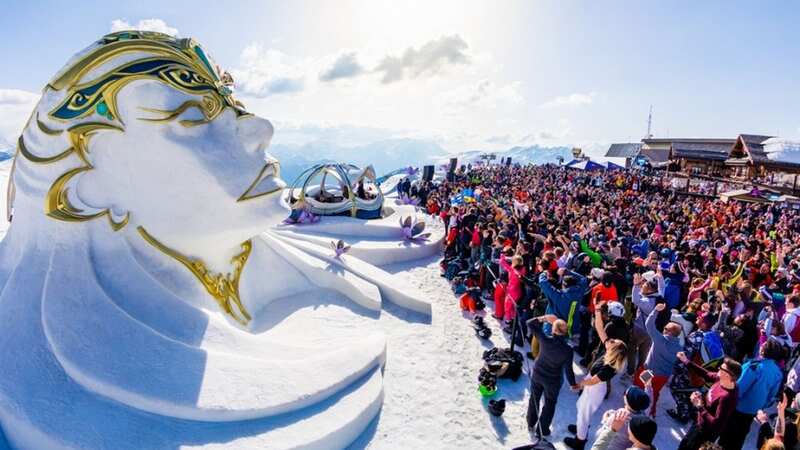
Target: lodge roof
pixel 754 145
pixel 713 150
pixel 755 138
pixel 689 140
pixel 627 150
pixel 655 155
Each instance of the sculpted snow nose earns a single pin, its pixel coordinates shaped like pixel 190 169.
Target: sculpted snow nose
pixel 255 133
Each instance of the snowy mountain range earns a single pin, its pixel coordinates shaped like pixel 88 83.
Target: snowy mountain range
pixel 384 155
pixel 534 154
pixel 390 154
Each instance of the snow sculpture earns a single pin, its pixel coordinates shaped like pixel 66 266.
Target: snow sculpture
pixel 145 304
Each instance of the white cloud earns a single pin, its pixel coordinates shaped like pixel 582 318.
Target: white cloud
pixel 15 108
pixel 484 94
pixel 17 97
pixel 342 134
pixel 143 25
pixel 500 140
pixel 430 59
pixel 449 101
pixel 570 100
pixel 557 134
pixel 345 66
pixel 266 72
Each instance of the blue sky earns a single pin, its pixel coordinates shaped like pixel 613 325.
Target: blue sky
pixel 485 75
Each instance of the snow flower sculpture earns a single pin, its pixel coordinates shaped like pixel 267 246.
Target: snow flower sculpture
pixel 412 229
pixel 412 171
pixel 406 200
pixel 301 216
pixel 339 248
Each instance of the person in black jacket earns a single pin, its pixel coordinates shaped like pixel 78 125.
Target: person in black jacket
pixel 552 364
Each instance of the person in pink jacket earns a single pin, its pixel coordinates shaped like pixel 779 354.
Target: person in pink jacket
pixel 515 290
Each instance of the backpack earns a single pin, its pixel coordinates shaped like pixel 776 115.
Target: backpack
pixel 711 349
pixel 511 361
pixel 453 268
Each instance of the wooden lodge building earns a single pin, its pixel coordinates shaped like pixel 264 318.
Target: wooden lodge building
pixel 748 157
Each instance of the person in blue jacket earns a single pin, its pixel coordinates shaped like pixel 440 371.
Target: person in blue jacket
pixel 642 248
pixel 759 386
pixel 565 302
pixel 673 285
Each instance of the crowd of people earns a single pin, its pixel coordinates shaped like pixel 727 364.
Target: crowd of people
pixel 614 272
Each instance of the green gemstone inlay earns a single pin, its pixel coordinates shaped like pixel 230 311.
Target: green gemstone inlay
pixel 200 53
pixel 103 110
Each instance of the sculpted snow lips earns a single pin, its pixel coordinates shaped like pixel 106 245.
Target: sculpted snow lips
pixel 269 176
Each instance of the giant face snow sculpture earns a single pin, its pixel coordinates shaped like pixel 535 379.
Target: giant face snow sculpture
pixel 138 268
pixel 156 109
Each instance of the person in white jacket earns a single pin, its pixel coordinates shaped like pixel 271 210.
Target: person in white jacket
pixel 641 431
pixel 791 324
pixel 636 403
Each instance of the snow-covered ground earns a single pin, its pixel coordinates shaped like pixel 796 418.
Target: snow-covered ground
pixel 5 171
pixel 430 376
pixel 431 397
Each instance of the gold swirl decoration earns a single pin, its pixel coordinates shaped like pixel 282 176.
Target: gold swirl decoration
pixel 57 204
pixel 210 107
pixel 45 129
pixel 179 63
pixel 224 288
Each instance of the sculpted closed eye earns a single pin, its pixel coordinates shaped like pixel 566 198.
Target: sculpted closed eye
pixel 209 107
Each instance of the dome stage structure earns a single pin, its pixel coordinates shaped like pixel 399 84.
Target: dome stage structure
pixel 337 189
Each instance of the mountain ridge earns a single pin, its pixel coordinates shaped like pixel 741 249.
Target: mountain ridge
pixel 389 154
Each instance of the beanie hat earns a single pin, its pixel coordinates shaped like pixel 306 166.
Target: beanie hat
pixel 709 319
pixel 643 429
pixel 649 276
pixel 615 309
pixel 637 399
pixel 597 273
